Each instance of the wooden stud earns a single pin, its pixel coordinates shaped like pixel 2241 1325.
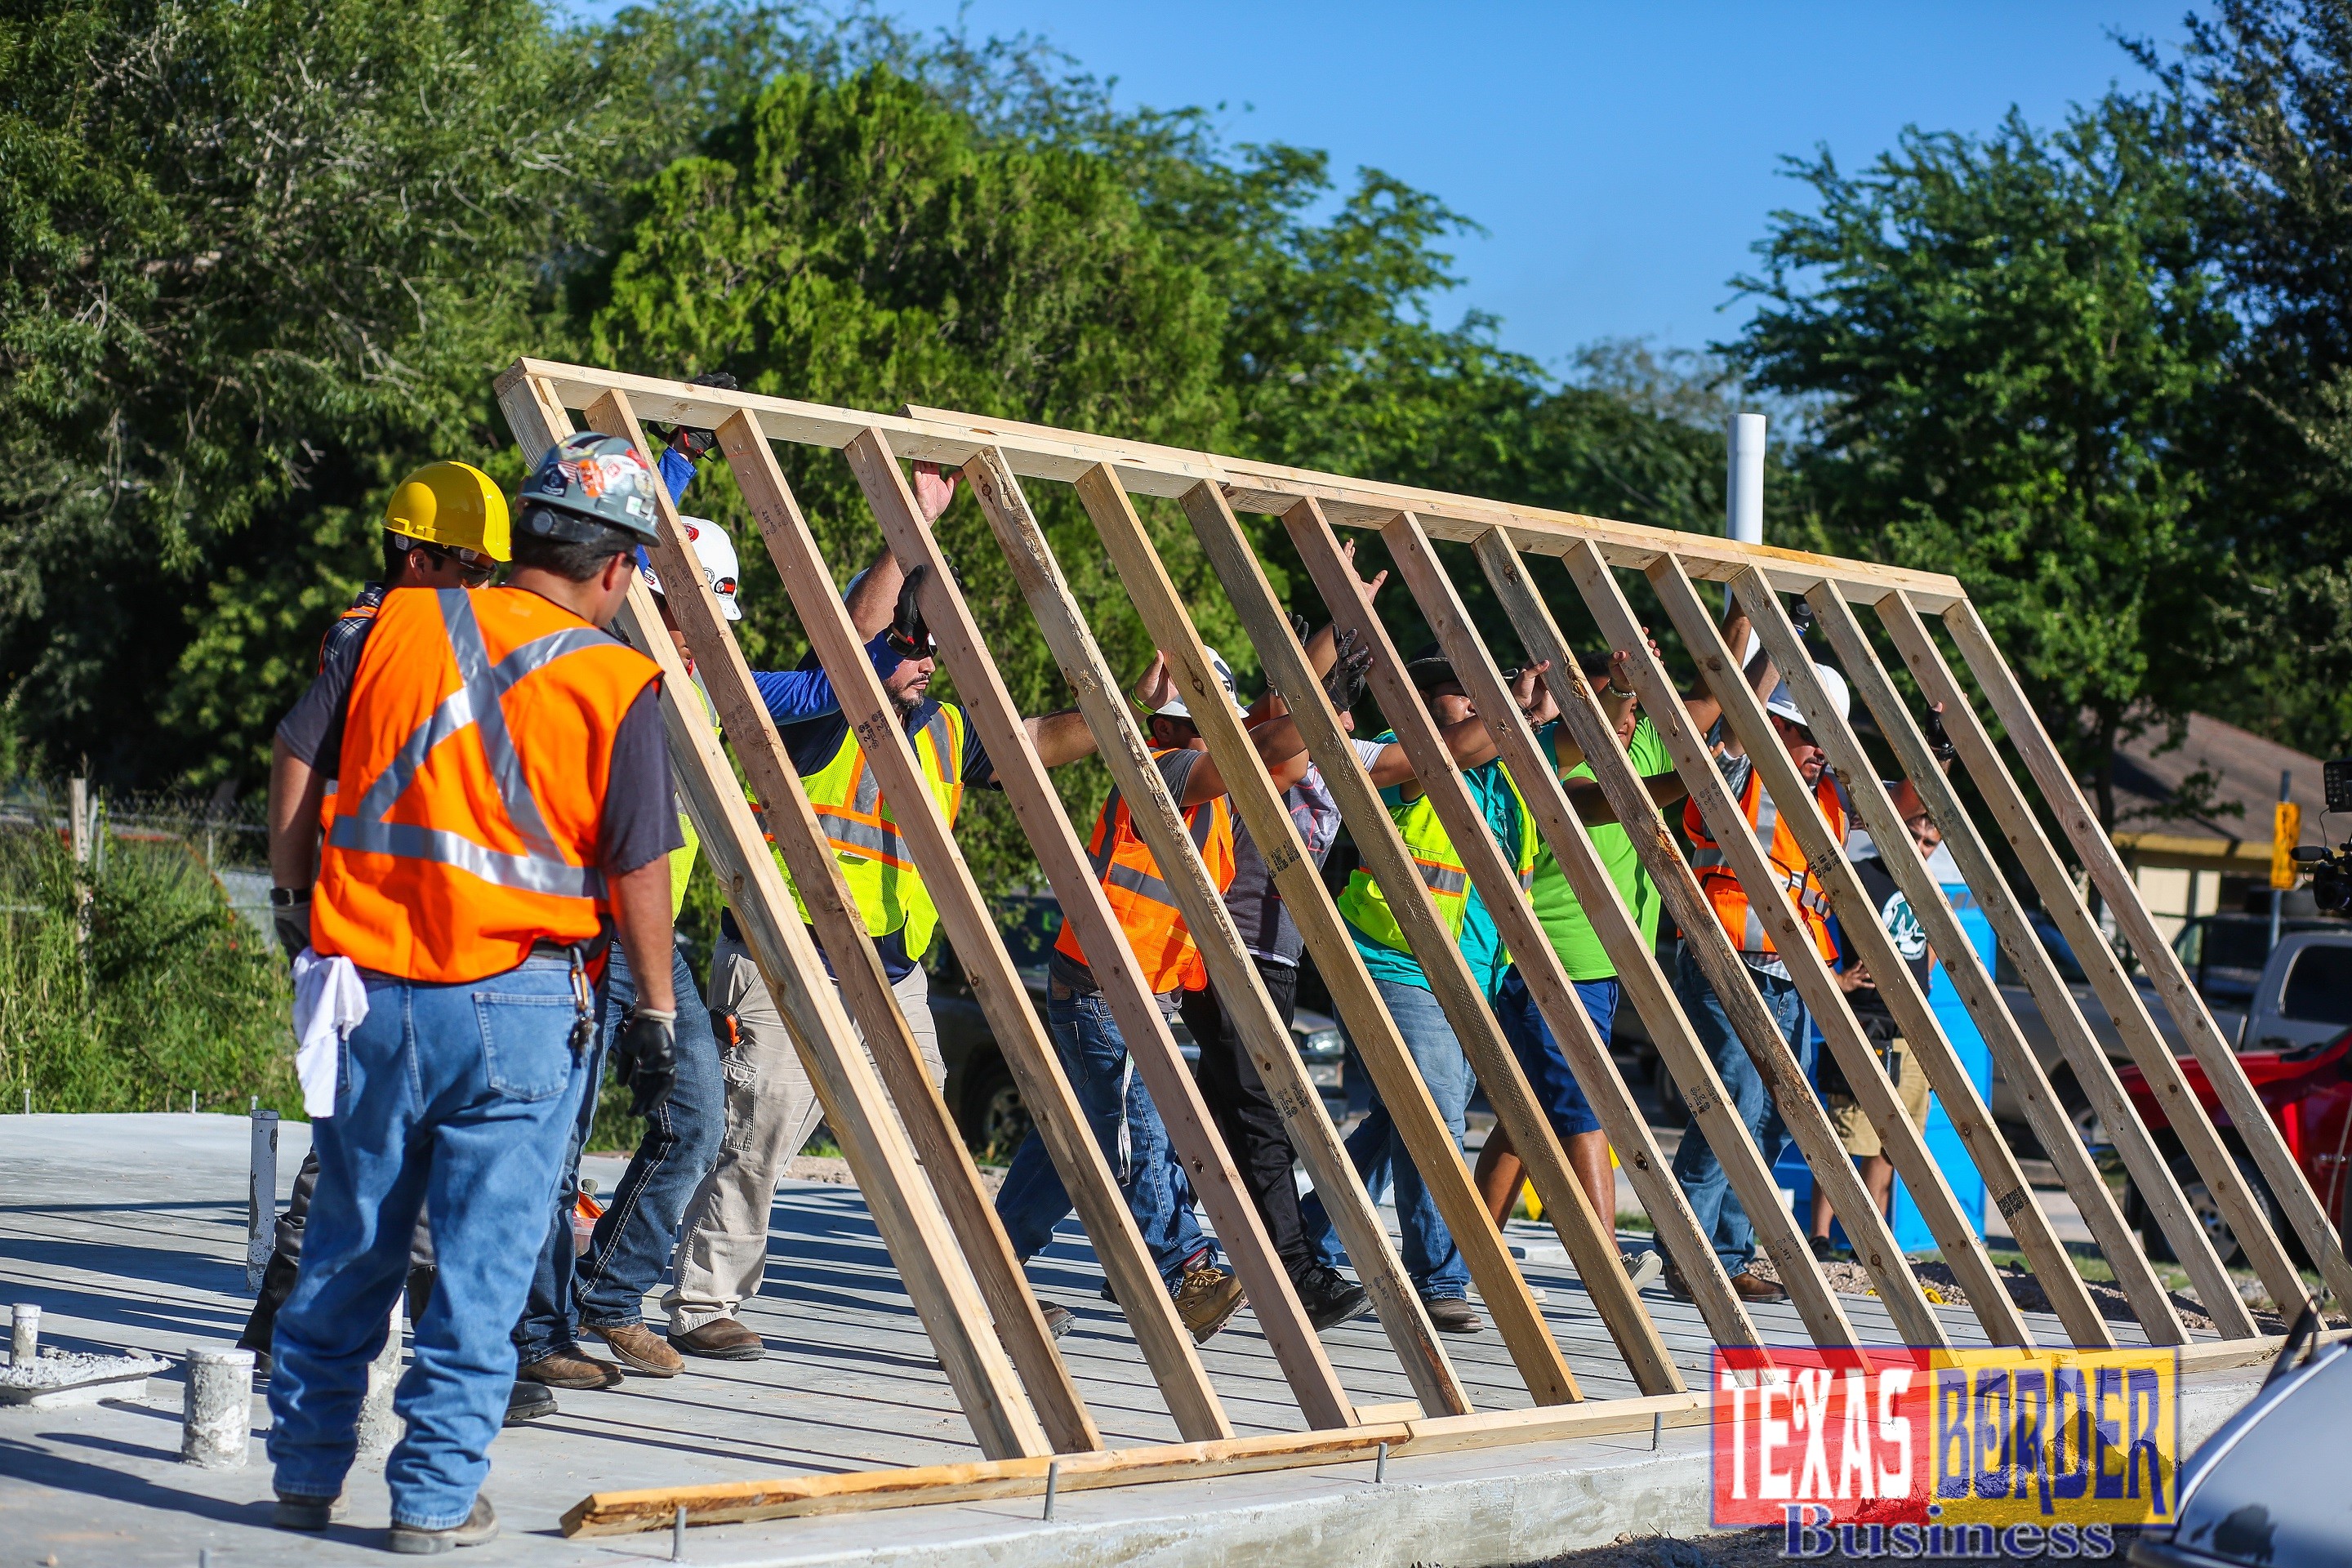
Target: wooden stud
pixel 2114 989
pixel 1905 1144
pixel 2014 1058
pixel 1784 1078
pixel 1905 999
pixel 1645 984
pixel 1590 1238
pixel 995 982
pixel 1428 1140
pixel 2297 1203
pixel 906 1211
pixel 1149 1044
pixel 1231 974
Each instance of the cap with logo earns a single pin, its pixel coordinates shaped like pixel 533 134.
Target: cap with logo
pixel 587 488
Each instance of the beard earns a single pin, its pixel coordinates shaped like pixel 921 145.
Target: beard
pixel 906 699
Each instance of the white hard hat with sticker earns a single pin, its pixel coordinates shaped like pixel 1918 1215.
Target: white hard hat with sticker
pixel 715 552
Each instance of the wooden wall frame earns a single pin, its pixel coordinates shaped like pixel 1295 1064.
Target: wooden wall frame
pixel 918 1181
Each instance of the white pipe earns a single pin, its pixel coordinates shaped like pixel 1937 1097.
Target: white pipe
pixel 24 1334
pixel 261 1199
pixel 1743 510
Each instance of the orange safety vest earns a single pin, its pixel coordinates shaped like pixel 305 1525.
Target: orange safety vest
pixel 476 748
pixel 1730 899
pixel 1147 911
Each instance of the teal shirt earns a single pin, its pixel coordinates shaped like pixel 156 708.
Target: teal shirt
pixel 1482 944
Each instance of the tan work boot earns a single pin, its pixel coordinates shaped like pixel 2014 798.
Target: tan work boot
pixel 569 1368
pixel 722 1339
pixel 638 1348
pixel 481 1525
pixel 1207 1301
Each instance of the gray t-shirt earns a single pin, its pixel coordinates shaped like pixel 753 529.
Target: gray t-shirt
pixel 1266 928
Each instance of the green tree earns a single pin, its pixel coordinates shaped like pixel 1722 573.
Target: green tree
pixel 2011 340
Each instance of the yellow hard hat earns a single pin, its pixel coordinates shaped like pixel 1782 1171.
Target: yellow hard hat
pixel 453 505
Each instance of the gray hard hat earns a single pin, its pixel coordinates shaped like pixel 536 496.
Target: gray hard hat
pixel 588 485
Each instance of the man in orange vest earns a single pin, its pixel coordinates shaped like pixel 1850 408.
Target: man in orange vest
pixel 504 811
pixel 1086 1036
pixel 1716 1206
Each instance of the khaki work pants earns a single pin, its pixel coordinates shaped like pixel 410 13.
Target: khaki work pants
pixel 771 1108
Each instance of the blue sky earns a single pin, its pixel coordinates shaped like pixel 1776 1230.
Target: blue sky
pixel 1622 158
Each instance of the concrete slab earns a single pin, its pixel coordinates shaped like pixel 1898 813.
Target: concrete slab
pixel 128 1232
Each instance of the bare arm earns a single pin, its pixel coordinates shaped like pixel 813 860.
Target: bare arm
pixel 1061 737
pixel 1279 746
pixel 1761 675
pixel 296 788
pixel 1593 807
pixel 641 917
pixel 875 600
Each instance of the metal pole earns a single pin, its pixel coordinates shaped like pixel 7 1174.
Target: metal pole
pixel 1743 483
pixel 1052 1484
pixel 1381 1467
pixel 2278 898
pixel 260 1199
pixel 216 1423
pixel 677 1536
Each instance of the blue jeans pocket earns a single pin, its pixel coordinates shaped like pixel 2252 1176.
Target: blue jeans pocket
pixel 526 1043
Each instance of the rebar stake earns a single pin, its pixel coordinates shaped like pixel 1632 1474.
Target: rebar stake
pixel 1052 1484
pixel 1381 1467
pixel 677 1536
pixel 1657 1428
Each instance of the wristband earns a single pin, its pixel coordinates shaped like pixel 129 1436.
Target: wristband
pixel 286 897
pixel 659 1014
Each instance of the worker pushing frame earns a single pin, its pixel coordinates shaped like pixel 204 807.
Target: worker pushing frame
pixel 918 1181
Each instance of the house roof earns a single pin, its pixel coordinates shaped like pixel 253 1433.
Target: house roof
pixel 2176 798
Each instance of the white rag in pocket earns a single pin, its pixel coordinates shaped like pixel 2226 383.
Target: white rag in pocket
pixel 329 1002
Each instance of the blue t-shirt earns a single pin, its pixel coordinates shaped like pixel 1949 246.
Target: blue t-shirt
pixel 1482 943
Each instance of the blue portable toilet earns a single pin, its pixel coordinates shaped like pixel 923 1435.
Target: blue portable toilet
pixel 1951 1157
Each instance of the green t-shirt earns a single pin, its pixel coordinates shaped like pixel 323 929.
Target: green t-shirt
pixel 1556 903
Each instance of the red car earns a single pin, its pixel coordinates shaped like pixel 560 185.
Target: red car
pixel 2308 1092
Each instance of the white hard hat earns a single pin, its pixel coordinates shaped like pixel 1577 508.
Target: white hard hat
pixel 1177 708
pixel 717 554
pixel 1784 702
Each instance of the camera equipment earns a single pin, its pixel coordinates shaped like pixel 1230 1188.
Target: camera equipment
pixel 2331 869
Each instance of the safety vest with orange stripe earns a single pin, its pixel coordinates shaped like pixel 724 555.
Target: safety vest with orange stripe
pixel 477 750
pixel 1164 949
pixel 882 875
pixel 1440 865
pixel 1732 907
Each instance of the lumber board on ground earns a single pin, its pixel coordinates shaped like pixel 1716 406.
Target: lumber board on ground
pixel 1040 452
pixel 1590 1238
pixel 1232 975
pixel 1428 1140
pixel 1905 998
pixel 2298 1206
pixel 1537 772
pixel 905 1210
pixel 722 1502
pixel 964 918
pixel 1784 1077
pixel 2062 901
pixel 1645 984
pixel 2151 1302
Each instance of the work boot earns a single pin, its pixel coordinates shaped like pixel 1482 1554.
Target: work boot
pixel 1327 1295
pixel 1756 1288
pixel 1207 1301
pixel 295 1511
pixel 528 1401
pixel 1641 1267
pixel 481 1525
pixel 571 1368
pixel 638 1348
pixel 1824 1249
pixel 722 1339
pixel 1453 1315
pixel 1058 1317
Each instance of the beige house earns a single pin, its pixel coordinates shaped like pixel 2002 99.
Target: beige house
pixel 2189 853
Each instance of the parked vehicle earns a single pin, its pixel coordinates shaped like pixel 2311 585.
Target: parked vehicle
pixel 980 1092
pixel 2306 1087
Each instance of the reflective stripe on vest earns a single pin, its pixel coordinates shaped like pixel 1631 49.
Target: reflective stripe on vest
pixel 883 881
pixel 443 899
pixel 1146 906
pixel 1441 868
pixel 1740 920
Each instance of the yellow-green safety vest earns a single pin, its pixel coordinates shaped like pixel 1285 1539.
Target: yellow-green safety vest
pixel 1442 871
pixel 857 823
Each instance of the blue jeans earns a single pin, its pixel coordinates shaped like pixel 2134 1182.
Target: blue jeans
pixel 1128 1129
pixel 1712 1201
pixel 633 1240
pixel 1377 1150
pixel 456 1099
pixel 1540 1057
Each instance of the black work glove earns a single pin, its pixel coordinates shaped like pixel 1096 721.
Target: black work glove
pixel 1298 628
pixel 645 1057
pixel 1802 617
pixel 909 637
pixel 1940 745
pixel 292 923
pixel 695 440
pixel 1343 683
